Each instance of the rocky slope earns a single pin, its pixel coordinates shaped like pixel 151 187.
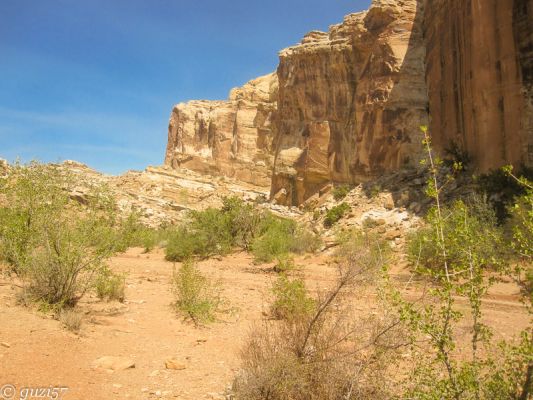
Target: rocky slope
pixel 345 106
pixel 480 78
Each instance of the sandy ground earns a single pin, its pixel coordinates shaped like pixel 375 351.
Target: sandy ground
pixel 36 351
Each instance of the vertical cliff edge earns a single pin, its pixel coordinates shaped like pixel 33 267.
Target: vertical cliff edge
pixel 345 106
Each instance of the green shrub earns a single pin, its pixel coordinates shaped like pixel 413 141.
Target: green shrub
pixel 196 297
pixel 366 249
pixel 110 286
pixel 285 263
pixel 244 220
pixel 55 244
pixel 340 192
pixel 502 189
pixel 291 299
pixel 275 238
pixel 335 214
pixel 469 230
pixel 182 244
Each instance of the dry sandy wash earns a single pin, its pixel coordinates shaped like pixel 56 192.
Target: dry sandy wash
pixel 37 351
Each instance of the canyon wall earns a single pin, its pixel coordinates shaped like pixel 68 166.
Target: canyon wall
pixel 345 106
pixel 351 101
pixel 479 73
pixel 230 138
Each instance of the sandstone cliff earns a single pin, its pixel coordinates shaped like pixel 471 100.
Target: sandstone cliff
pixel 345 105
pixel 351 101
pixel 480 78
pixel 231 138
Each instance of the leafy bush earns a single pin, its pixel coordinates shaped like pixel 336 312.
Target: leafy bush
pixel 340 192
pixel 275 238
pixel 469 230
pixel 206 233
pixel 285 263
pixel 110 286
pixel 56 245
pixel 196 297
pixel 502 189
pixel 133 233
pixel 244 220
pixel 291 299
pixel 335 214
pixel 453 253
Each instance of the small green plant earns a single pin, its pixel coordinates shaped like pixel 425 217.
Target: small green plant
pixel 340 192
pixel 110 286
pixel 335 214
pixel 291 299
pixel 196 296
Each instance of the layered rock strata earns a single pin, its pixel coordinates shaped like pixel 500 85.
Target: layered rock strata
pixel 345 106
pixel 230 138
pixel 351 101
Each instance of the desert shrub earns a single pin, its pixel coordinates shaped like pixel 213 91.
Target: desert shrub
pixel 215 231
pixel 335 214
pixel 365 248
pixel 291 299
pixel 502 189
pixel 469 230
pixel 244 220
pixel 284 263
pixel 182 244
pixel 56 245
pixel 305 240
pixel 205 233
pixel 316 351
pixel 71 319
pixel 132 232
pixel 110 286
pixel 340 192
pixel 274 239
pixel 197 297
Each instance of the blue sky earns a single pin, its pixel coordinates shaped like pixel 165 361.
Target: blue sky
pixel 95 80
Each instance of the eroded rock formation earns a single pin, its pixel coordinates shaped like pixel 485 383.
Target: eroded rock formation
pixel 480 78
pixel 351 101
pixel 231 138
pixel 345 106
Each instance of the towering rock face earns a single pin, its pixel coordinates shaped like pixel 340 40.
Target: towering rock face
pixel 231 138
pixel 480 78
pixel 350 101
pixel 346 106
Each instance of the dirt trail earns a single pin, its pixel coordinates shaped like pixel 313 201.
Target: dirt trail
pixel 146 329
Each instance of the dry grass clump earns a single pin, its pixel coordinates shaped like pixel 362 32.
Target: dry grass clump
pixel 320 352
pixel 71 319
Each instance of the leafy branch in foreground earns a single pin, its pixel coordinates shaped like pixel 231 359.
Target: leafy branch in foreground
pixel 440 372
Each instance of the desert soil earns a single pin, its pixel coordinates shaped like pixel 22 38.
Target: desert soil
pixel 37 351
